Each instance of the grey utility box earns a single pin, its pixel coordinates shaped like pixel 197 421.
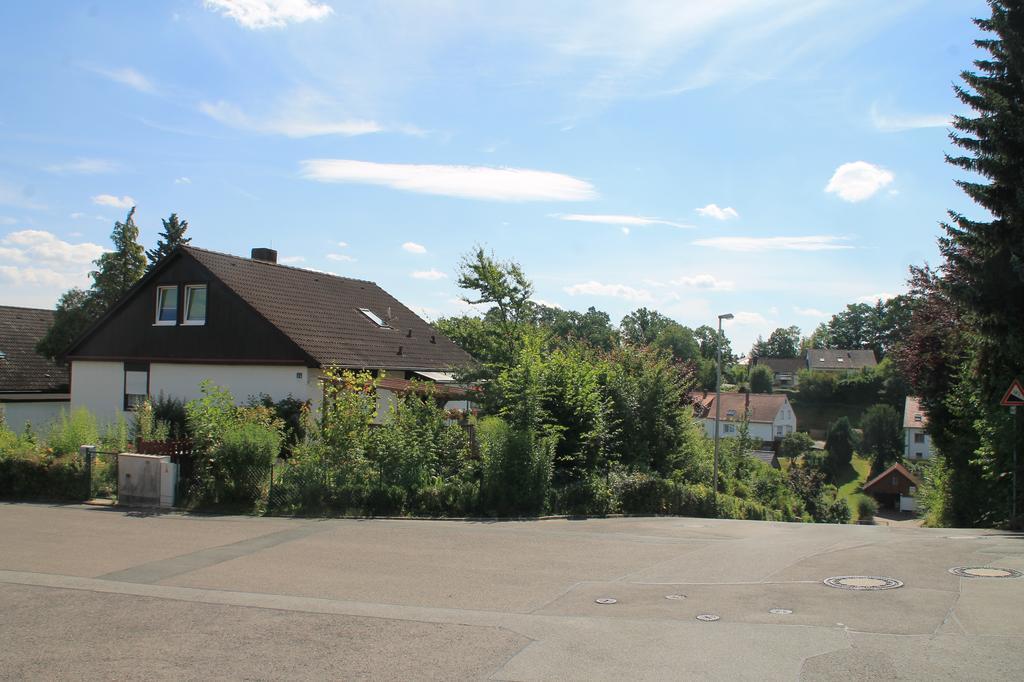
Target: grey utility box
pixel 146 480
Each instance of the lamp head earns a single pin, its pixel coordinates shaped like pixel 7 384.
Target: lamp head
pixel 727 316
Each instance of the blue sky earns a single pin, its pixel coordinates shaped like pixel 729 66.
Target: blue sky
pixel 776 159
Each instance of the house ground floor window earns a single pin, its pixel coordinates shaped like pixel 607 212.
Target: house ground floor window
pixel 136 384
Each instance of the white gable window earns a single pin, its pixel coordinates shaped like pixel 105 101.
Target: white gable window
pixel 375 318
pixel 136 384
pixel 195 304
pixel 166 305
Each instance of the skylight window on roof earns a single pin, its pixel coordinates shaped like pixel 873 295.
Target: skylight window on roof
pixel 375 318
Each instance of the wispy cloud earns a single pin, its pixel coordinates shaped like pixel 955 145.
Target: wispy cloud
pixel 872 298
pixel 714 211
pixel 126 76
pixel 470 182
pixel 898 122
pixel 19 198
pixel 858 180
pixel 84 167
pixel 704 281
pixel 111 200
pixel 183 180
pixel 413 247
pixel 747 319
pixel 428 274
pixel 260 14
pixel 744 244
pixel 809 312
pixel 341 257
pixel 621 220
pixel 290 124
pixel 291 260
pixel 594 288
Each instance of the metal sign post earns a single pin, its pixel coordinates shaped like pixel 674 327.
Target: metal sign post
pixel 1014 398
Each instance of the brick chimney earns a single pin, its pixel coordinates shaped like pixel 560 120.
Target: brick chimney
pixel 264 255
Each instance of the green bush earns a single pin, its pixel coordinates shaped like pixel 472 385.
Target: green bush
pixel 241 462
pixel 516 468
pixel 641 493
pixel 41 477
pixel 866 508
pixel 591 496
pixel 71 431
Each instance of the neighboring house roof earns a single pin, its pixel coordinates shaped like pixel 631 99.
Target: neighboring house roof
pixel 782 365
pixel 760 407
pixel 320 314
pixel 831 358
pixel 768 457
pixel 914 417
pixel 895 468
pixel 22 370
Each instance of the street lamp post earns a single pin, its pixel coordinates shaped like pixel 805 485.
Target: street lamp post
pixel 718 401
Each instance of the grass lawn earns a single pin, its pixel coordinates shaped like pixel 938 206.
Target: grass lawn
pixel 851 479
pixel 817 416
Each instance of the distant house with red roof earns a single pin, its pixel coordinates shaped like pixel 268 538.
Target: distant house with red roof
pixel 769 416
pixel 917 441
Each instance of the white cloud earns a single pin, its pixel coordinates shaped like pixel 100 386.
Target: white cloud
pixel 703 282
pixel 429 274
pixel 38 266
pixel 809 312
pixel 85 167
pixel 858 180
pixel 593 288
pixel 873 298
pixel 471 182
pixel 413 247
pixel 183 180
pixel 343 245
pixel 20 198
pixel 291 260
pixel 547 304
pixel 298 120
pixel 260 14
pixel 76 215
pixel 894 123
pixel 341 257
pixel 126 76
pixel 745 244
pixel 622 220
pixel 111 200
pixel 747 319
pixel 7 220
pixel 714 211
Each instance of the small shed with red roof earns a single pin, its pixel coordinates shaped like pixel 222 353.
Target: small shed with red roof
pixel 894 488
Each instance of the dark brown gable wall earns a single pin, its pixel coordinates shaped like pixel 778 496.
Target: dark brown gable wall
pixel 233 331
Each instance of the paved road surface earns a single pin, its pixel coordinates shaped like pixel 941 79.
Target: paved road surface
pixel 102 593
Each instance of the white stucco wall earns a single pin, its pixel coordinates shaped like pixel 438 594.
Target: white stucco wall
pixel 912 449
pixel 98 387
pixel 182 381
pixel 39 414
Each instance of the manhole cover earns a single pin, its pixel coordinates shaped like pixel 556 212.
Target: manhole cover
pixel 605 600
pixel 675 596
pixel 863 582
pixel 780 612
pixel 984 572
pixel 707 617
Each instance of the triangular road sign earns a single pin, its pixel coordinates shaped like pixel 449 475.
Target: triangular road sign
pixel 1014 394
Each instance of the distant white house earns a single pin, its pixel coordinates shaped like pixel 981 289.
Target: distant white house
pixel 917 442
pixel 769 417
pixel 33 389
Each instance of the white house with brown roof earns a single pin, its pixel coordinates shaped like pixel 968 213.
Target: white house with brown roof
pixel 769 416
pixel 249 325
pixel 33 389
pixel 917 441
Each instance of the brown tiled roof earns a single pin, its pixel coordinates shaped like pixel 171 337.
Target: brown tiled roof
pixel 320 313
pixel 22 370
pixel 895 468
pixel 914 417
pixel 782 364
pixel 763 406
pixel 833 358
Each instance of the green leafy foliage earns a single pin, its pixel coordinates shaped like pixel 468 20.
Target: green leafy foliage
pixel 840 442
pixel 172 237
pixel 761 379
pixel 882 438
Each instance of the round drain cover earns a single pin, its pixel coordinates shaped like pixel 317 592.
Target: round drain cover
pixel 984 572
pixel 605 600
pixel 675 596
pixel 780 612
pixel 707 617
pixel 863 582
